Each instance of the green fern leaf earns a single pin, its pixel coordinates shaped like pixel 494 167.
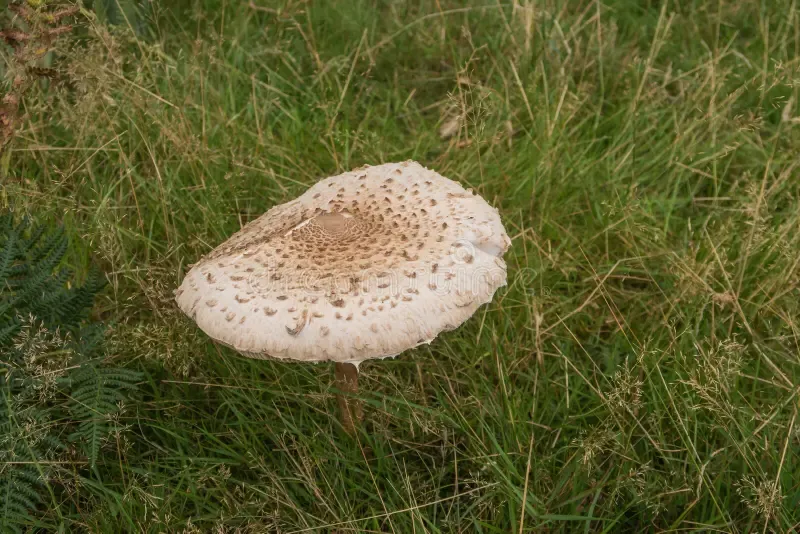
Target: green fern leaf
pixel 96 395
pixel 36 296
pixel 7 255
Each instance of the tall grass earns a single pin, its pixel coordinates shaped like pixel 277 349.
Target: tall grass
pixel 641 369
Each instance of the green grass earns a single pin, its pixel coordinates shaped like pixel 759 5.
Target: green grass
pixel 639 373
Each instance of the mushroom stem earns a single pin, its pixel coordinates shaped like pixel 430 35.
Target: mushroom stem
pixel 347 382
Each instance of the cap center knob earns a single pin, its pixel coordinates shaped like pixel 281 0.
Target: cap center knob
pixel 332 223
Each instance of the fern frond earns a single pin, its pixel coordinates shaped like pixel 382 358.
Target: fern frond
pixel 96 395
pixel 18 496
pixel 34 286
pixel 29 242
pixel 31 280
pixel 53 246
pixel 39 275
pixel 20 483
pixel 73 303
pixel 90 343
pixel 7 255
pixel 49 294
pixel 8 328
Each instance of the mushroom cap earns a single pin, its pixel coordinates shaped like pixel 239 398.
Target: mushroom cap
pixel 363 265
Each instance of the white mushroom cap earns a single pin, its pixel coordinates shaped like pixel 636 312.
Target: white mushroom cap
pixel 363 265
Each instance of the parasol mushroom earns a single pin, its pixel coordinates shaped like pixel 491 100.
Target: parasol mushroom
pixel 363 265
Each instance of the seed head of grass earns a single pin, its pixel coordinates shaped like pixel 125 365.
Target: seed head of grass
pixel 762 496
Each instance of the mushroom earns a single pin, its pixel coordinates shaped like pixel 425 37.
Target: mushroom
pixel 363 265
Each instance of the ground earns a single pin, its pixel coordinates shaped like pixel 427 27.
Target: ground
pixel 639 372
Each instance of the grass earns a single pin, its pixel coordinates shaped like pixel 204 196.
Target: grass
pixel 639 372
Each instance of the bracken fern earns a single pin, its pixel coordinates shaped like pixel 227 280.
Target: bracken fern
pixel 97 394
pixel 51 367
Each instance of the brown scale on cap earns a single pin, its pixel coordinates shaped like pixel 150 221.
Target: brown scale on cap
pixel 382 233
